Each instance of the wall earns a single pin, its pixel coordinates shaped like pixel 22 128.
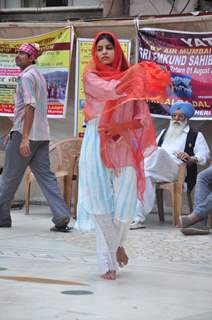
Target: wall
pixel 160 7
pixel 76 9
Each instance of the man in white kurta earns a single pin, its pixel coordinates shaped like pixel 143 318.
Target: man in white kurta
pixel 163 164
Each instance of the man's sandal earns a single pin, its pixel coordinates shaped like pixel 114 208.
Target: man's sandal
pixel 61 229
pixel 62 226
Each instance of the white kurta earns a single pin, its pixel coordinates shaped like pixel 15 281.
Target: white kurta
pixel 162 166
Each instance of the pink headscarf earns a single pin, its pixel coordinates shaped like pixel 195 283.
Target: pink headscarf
pixel 30 48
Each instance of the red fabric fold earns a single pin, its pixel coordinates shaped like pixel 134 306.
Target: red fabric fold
pixel 135 85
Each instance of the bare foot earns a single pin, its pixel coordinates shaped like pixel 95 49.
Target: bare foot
pixel 121 257
pixel 110 275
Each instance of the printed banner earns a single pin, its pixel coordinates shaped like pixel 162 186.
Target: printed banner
pixel 54 64
pixel 188 56
pixel 83 55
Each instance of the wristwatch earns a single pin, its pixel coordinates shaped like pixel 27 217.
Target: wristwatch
pixel 195 159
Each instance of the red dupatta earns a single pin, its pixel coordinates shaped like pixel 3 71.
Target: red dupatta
pixel 137 84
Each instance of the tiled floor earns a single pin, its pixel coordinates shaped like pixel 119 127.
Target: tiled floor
pixel 169 276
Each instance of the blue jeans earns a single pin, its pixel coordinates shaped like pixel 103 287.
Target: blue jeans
pixel 203 193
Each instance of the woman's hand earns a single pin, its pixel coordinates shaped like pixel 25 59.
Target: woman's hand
pixel 114 132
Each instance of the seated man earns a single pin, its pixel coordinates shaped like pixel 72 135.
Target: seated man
pixel 179 143
pixel 196 222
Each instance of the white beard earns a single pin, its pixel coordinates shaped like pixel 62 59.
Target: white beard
pixel 174 131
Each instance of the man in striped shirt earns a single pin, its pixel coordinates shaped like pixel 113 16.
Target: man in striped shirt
pixel 29 142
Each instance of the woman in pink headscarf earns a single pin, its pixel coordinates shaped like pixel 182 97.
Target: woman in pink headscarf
pixel 118 136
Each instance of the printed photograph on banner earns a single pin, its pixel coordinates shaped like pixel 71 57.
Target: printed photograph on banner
pixel 83 55
pixel 57 89
pixel 181 85
pixel 188 56
pixel 54 63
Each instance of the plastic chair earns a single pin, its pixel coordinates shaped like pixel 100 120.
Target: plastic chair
pixel 176 190
pixel 63 156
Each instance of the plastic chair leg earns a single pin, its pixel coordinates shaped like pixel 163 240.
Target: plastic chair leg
pixel 159 197
pixel 177 204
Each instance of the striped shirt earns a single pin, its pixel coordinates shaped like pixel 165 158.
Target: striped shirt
pixel 32 90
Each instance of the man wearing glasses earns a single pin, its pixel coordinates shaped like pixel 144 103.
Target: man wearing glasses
pixel 179 143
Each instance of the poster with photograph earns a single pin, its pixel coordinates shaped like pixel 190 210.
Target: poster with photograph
pixel 54 63
pixel 188 56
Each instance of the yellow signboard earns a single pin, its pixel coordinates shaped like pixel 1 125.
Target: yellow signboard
pixel 83 55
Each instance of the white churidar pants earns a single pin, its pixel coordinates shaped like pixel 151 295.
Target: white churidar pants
pixel 110 234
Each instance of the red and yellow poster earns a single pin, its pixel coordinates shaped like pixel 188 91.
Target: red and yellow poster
pixel 54 63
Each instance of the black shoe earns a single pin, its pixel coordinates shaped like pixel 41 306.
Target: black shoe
pixel 62 226
pixel 61 229
pixel 6 225
pixel 198 228
pixel 17 205
pixel 64 222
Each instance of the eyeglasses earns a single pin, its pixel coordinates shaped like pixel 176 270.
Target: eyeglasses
pixel 179 116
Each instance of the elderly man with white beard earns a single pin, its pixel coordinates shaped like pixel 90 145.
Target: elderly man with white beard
pixel 179 143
